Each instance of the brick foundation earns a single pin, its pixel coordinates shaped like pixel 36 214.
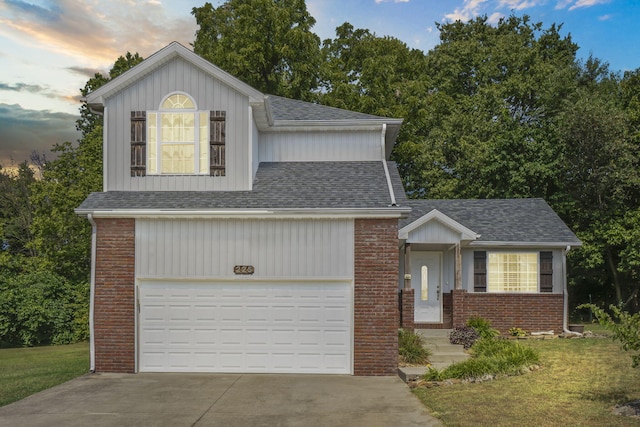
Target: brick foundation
pixel 376 297
pixel 531 312
pixel 114 299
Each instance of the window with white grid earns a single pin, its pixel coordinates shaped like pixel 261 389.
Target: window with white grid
pixel 512 272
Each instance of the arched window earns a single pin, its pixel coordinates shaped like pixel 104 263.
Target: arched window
pixel 178 138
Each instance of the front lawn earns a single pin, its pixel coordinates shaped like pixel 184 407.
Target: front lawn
pixel 580 382
pixel 24 371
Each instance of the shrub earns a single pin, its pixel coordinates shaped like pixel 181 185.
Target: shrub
pixel 490 357
pixel 625 328
pixel 464 335
pixel 483 327
pixel 517 332
pixel 42 308
pixel 411 348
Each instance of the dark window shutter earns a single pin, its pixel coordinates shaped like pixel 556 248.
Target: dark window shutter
pixel 217 139
pixel 480 271
pixel 546 271
pixel 138 143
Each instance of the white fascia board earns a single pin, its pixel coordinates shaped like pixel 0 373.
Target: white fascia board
pixel 248 214
pixel 499 244
pixel 161 57
pixel 336 123
pixel 466 233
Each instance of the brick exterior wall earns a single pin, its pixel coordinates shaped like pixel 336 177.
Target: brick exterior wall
pixel 114 300
pixel 407 312
pixel 531 312
pixel 376 297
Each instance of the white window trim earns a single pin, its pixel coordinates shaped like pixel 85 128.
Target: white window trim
pixel 489 273
pixel 195 143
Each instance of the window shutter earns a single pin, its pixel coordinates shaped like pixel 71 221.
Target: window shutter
pixel 546 271
pixel 480 271
pixel 217 139
pixel 138 143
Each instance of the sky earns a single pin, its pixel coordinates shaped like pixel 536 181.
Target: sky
pixel 50 48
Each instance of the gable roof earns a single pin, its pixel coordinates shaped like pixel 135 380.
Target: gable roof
pixel 464 232
pixel 500 221
pixel 332 186
pixel 271 112
pixel 96 98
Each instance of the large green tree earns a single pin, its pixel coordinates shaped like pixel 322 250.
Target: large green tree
pixel 492 94
pixel 265 43
pixel 61 239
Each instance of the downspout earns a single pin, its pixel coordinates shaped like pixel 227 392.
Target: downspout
pixel 92 344
pixel 565 290
pixel 386 168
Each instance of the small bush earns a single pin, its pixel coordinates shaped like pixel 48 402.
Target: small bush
pixel 517 332
pixel 411 348
pixel 464 335
pixel 489 357
pixel 483 327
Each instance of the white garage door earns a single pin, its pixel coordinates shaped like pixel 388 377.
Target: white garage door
pixel 245 327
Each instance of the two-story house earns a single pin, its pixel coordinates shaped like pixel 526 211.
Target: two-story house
pixel 244 232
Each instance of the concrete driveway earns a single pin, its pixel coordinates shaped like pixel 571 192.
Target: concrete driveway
pixel 221 400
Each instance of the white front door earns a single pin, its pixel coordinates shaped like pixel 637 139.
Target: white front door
pixel 426 280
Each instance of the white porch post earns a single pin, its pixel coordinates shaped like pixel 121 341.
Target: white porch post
pixel 407 265
pixel 458 268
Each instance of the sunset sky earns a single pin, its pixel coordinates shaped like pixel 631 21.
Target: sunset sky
pixel 49 49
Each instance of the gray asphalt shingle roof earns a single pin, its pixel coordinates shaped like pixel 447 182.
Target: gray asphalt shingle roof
pixel 282 185
pixel 292 109
pixel 500 220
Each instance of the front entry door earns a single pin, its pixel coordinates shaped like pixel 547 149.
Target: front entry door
pixel 426 280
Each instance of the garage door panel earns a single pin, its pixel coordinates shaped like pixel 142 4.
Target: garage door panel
pixel 245 327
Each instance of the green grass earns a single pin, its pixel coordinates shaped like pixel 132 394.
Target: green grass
pixel 580 383
pixel 24 371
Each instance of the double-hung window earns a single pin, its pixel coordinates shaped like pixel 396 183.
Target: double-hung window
pixel 178 138
pixel 513 271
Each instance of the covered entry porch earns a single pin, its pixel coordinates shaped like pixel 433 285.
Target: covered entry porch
pixel 431 270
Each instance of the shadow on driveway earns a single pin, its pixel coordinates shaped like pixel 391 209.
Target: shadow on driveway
pixel 221 400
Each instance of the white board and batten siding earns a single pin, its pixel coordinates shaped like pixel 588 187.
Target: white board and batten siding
pixel 320 146
pixel 293 315
pixel 277 249
pixel 147 94
pixel 434 232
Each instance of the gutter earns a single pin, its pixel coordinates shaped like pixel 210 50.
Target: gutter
pixel 92 292
pixel 386 167
pixel 396 212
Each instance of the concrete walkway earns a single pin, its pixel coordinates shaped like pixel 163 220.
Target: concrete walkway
pixel 221 400
pixel 443 353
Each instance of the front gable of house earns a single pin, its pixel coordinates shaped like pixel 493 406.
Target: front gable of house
pixel 436 227
pixel 177 122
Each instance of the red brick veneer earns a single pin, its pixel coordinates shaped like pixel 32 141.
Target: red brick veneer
pixel 376 297
pixel 407 309
pixel 114 309
pixel 531 312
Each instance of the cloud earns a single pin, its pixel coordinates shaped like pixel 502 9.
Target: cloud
pixel 45 91
pixel 87 71
pixel 576 4
pixel 605 17
pixel 520 4
pixel 395 1
pixel 587 3
pixel 23 131
pixel 92 31
pixel 469 10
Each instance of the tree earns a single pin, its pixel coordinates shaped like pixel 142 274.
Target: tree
pixel 599 170
pixel 61 238
pixel 268 44
pixel 492 95
pixel 16 210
